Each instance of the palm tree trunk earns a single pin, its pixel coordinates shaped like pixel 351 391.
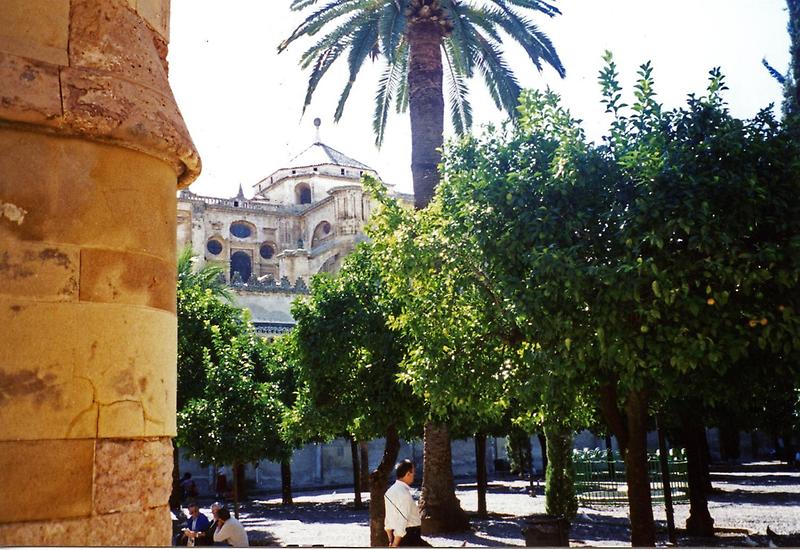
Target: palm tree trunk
pixel 378 482
pixel 439 508
pixel 426 106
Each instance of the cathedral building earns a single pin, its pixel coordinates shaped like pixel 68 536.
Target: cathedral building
pixel 303 219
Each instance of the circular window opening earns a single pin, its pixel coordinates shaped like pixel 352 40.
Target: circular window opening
pixel 214 246
pixel 267 251
pixel 326 227
pixel 241 230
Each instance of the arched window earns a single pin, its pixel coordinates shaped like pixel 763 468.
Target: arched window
pixel 241 229
pixel 302 193
pixel 242 264
pixel 214 246
pixel 267 251
pixel 321 233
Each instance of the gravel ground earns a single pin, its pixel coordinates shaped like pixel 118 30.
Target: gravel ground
pixel 747 499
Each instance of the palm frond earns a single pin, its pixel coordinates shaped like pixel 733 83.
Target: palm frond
pixel 461 37
pixel 546 8
pixel 387 87
pixel 460 108
pixel 317 20
pixel 323 63
pixel 502 83
pixel 392 28
pixel 361 44
pixel 338 35
pixel 401 103
pixel 208 277
pixel 536 44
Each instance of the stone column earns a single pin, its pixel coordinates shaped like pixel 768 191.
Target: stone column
pixel 92 150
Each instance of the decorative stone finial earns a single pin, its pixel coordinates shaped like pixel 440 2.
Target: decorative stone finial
pixel 317 124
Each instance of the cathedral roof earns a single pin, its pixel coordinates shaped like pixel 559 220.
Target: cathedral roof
pixel 319 154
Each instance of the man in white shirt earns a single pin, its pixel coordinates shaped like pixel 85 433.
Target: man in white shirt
pixel 402 523
pixel 229 530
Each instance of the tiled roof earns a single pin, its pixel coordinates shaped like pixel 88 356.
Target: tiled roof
pixel 319 153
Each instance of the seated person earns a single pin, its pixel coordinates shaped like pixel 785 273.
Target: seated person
pixel 206 538
pixel 230 531
pixel 196 524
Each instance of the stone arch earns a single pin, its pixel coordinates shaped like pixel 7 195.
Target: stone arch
pixel 322 233
pixel 302 193
pixel 331 265
pixel 241 263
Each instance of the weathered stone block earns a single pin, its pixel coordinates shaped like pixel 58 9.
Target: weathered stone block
pixel 87 194
pixel 109 37
pixel 151 528
pixel 132 474
pixel 29 90
pixel 39 271
pixel 36 29
pixel 127 278
pixel 71 360
pixel 156 13
pixel 93 105
pixel 49 479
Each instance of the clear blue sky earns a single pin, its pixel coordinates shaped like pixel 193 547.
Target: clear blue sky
pixel 242 101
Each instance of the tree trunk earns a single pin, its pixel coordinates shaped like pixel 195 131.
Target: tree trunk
pixel 439 508
pixel 706 456
pixel 610 458
pixel 426 106
pixel 363 447
pixel 637 473
pixel 794 50
pixel 666 483
pixel 378 483
pixel 356 474
pixel 543 445
pixel 236 474
pixel 286 482
pixel 560 499
pixel 699 523
pixel 175 495
pixel 480 463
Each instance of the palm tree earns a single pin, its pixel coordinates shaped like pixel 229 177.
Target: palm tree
pixel 208 277
pixel 421 42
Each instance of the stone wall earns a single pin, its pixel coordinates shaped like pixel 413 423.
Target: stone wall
pixel 92 149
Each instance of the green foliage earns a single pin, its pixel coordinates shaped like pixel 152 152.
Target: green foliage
pixel 560 497
pixel 232 386
pixel 471 36
pixel 234 420
pixel 348 357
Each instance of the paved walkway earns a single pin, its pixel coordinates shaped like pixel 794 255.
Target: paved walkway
pixel 747 500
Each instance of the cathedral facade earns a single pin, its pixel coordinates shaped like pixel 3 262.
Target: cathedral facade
pixel 302 220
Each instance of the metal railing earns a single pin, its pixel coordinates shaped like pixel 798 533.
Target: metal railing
pixel 600 476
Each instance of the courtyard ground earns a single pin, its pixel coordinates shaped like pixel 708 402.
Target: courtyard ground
pixel 747 499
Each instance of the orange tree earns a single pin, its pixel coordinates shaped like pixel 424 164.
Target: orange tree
pixel 465 343
pixel 669 250
pixel 348 363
